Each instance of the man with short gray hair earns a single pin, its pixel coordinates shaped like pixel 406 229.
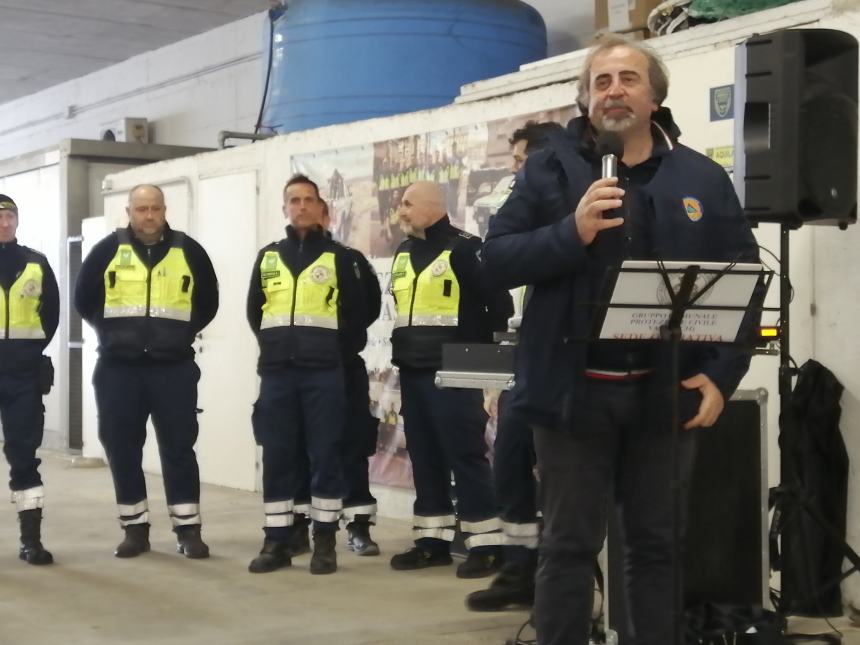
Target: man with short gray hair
pixel 600 410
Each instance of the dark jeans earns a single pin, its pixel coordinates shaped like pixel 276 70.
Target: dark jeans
pixel 126 396
pixel 620 440
pixel 23 417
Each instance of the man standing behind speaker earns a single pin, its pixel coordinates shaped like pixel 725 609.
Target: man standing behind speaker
pixel 600 410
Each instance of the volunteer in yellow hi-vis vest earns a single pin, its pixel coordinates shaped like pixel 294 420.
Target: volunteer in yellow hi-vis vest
pixel 304 294
pixel 440 298
pixel 29 313
pixel 513 458
pixel 361 428
pixel 148 290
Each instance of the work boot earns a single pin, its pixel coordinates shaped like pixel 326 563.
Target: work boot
pixel 31 550
pixel 273 555
pixel 359 540
pixel 189 543
pixel 300 540
pixel 136 541
pixel 324 559
pixel 420 558
pixel 514 587
pixel 480 563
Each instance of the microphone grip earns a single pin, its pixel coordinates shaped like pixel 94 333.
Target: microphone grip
pixel 609 166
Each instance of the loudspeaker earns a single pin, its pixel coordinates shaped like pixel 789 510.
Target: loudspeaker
pixel 797 92
pixel 726 560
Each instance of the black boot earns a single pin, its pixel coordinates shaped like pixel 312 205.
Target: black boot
pixel 514 587
pixel 359 540
pixel 324 559
pixel 136 541
pixel 480 562
pixel 189 543
pixel 300 540
pixel 31 549
pixel 273 556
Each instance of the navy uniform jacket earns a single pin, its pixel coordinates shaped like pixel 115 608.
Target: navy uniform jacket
pixel 533 240
pixel 354 339
pixel 22 356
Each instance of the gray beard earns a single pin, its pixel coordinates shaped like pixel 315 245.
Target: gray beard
pixel 618 125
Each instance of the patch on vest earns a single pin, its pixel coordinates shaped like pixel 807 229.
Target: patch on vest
pixel 399 270
pixel 693 208
pixel 320 274
pixel 439 268
pixel 31 289
pixel 124 259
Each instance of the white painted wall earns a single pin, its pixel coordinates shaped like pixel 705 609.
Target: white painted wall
pixel 189 91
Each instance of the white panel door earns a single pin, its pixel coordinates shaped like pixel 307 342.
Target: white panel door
pixel 226 226
pixel 93 229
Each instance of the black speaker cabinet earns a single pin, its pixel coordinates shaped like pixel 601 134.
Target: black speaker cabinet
pixel 726 558
pixel 797 93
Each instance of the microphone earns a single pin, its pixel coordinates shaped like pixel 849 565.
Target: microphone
pixel 609 148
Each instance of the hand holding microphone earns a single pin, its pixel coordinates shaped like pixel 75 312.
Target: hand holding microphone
pixel 593 211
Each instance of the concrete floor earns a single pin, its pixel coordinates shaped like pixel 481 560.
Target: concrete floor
pixel 90 597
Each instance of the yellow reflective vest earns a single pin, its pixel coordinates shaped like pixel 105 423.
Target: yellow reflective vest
pixel 132 290
pixel 19 308
pixel 428 299
pixel 307 300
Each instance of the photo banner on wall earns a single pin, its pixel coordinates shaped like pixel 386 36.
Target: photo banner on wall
pixel 363 186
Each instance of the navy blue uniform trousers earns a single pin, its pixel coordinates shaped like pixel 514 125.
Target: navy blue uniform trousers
pixel 126 396
pixel 516 488
pixel 23 418
pixel 445 433
pixel 298 419
pixel 358 443
pixel 616 440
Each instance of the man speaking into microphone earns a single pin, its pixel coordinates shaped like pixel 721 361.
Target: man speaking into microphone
pixel 600 410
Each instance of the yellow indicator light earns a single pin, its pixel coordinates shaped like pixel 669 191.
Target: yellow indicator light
pixel 768 332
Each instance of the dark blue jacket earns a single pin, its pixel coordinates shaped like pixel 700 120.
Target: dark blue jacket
pixel 533 240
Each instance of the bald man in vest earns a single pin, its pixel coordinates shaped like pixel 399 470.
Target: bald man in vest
pixel 148 290
pixel 29 312
pixel 440 298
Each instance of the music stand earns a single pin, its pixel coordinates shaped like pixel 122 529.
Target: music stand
pixel 680 302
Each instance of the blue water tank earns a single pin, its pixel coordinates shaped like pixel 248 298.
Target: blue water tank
pixel 335 61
